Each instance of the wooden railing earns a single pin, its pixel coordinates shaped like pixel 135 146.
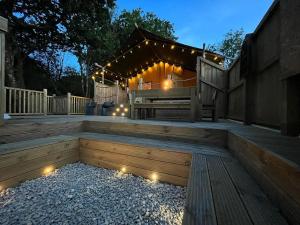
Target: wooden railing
pixel 24 102
pixel 78 104
pixel 30 102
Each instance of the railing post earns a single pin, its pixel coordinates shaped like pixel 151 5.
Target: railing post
pixel 53 104
pixel 68 103
pixel 45 102
pixel 117 84
pixel 3 30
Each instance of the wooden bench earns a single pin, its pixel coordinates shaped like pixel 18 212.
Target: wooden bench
pixel 150 101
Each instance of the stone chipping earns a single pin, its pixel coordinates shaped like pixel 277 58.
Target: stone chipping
pixel 83 194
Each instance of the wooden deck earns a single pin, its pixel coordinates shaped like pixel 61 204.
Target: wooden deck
pixel 225 187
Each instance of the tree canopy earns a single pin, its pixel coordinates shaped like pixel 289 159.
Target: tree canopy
pixel 93 32
pixel 230 46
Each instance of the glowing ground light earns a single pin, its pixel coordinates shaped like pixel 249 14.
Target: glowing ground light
pixel 47 170
pixel 123 169
pixel 154 177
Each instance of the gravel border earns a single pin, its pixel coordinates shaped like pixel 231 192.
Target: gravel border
pixel 83 194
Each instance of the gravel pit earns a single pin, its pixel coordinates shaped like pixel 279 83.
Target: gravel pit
pixel 82 194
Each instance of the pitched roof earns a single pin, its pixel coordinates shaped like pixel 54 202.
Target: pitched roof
pixel 144 48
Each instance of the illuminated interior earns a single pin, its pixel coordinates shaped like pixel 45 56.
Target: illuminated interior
pixel 163 75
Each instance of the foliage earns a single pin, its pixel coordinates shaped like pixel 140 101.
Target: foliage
pixel 124 25
pixel 230 46
pixel 93 32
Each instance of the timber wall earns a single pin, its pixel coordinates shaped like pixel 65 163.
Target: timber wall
pixel 262 83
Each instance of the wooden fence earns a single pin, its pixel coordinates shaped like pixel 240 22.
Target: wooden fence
pixel 211 78
pixel 105 93
pixel 30 102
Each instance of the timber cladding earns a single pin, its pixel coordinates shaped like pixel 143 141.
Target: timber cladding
pixel 31 159
pixel 168 166
pixel 217 137
pixel 27 131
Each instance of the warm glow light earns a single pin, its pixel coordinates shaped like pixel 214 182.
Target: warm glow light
pixel 93 77
pixel 155 43
pixel 154 176
pixel 131 51
pixel 215 58
pixel 139 46
pixel 122 114
pixel 147 42
pixel 121 105
pixel 118 109
pixel 108 64
pixel 182 50
pixel 97 72
pixel 193 51
pixel 123 169
pixel 126 109
pixel 114 114
pixel 163 46
pixel 166 85
pixel 172 47
pixel 47 170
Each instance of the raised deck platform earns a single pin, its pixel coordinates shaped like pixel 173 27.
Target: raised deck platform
pixel 273 160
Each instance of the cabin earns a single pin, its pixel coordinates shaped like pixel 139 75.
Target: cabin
pixel 238 160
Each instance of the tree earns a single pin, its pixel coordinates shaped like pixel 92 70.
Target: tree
pixel 40 26
pixel 124 25
pixel 230 46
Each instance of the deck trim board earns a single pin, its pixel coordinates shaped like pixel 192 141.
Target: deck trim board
pixel 162 144
pixel 228 205
pixel 258 205
pixel 199 212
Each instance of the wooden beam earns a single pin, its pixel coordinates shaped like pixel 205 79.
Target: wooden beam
pixel 3 29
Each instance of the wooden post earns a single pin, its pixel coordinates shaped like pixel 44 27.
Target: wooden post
pixel 3 30
pixel 53 104
pixel 68 103
pixel 117 85
pixel 132 111
pixel 193 104
pixel 45 102
pixel 198 90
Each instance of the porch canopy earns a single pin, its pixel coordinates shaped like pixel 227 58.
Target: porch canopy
pixel 144 48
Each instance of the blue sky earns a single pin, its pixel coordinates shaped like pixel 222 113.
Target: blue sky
pixel 199 21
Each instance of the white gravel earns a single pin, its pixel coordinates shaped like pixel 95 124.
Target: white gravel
pixel 82 194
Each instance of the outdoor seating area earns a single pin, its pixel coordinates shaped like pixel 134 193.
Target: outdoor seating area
pixel 154 132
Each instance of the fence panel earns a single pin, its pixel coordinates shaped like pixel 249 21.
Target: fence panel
pixel 212 78
pixel 78 104
pixel 24 102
